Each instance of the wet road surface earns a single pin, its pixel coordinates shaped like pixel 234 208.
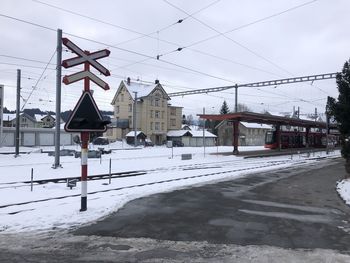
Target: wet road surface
pixel 287 208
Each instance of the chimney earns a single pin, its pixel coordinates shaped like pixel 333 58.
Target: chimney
pixel 128 81
pixel 156 81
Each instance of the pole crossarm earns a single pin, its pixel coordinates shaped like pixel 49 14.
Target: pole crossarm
pixel 258 84
pixel 199 91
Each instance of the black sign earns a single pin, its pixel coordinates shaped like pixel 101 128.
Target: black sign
pixel 86 117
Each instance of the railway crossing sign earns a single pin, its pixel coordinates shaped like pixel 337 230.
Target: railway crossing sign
pixel 83 57
pixel 86 117
pixel 85 74
pixel 88 59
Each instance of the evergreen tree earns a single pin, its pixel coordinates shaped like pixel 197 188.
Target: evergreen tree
pixel 340 109
pixel 224 108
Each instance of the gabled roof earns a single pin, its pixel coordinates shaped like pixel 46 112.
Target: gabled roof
pixel 9 116
pixel 12 116
pixel 39 117
pixel 132 133
pixel 143 90
pixel 181 133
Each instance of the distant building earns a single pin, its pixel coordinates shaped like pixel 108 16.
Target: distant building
pixel 191 138
pixel 46 120
pixel 154 115
pixel 140 137
pixel 25 120
pixel 250 134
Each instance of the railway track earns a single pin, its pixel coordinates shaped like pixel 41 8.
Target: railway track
pixel 116 175
pixel 255 165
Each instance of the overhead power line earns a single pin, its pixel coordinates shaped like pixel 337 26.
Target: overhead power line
pixel 230 39
pixel 121 49
pixel 169 26
pixel 252 23
pixel 35 86
pixel 142 35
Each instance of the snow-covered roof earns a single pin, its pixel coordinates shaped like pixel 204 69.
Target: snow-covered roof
pixel 132 133
pixel 141 89
pixel 8 116
pixel 180 133
pixel 39 117
pixel 281 114
pixel 200 134
pixel 255 125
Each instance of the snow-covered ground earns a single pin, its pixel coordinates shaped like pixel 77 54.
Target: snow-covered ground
pixel 55 206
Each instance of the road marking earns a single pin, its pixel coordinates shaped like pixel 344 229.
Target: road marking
pixel 311 209
pixel 302 218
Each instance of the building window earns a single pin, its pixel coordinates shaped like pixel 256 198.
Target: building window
pixel 151 114
pixel 162 114
pixel 173 122
pixel 152 102
pixel 162 103
pixel 122 97
pixel 162 126
pixel 157 114
pixel 117 109
pixel 156 102
pixel 151 126
pixel 157 126
pixel 130 121
pixel 130 107
pixel 173 111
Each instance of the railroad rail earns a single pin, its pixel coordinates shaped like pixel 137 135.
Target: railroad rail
pixel 261 164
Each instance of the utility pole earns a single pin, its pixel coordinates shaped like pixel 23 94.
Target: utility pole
pixel 315 114
pixel 204 132
pixel 17 111
pixel 134 119
pixel 1 111
pixel 58 99
pixel 236 98
pixel 327 133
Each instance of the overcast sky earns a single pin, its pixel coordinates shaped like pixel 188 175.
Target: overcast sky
pixel 223 42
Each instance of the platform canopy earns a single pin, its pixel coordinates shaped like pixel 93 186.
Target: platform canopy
pixel 253 117
pixel 264 118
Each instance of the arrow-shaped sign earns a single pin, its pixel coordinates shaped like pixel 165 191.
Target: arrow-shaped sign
pixel 84 57
pixel 85 74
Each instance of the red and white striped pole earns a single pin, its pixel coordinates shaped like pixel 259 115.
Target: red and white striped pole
pixel 84 169
pixel 84 150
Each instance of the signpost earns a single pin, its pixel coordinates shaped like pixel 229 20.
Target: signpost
pixel 85 117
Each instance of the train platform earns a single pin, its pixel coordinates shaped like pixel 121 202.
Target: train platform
pixel 270 152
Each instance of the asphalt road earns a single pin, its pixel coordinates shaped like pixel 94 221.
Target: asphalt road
pixel 293 208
